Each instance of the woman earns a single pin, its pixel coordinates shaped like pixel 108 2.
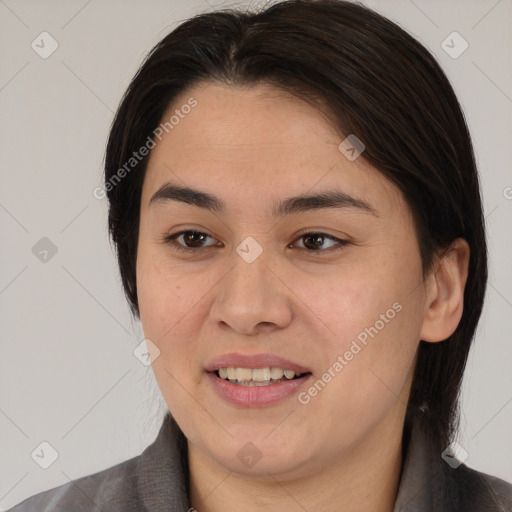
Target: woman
pixel 296 211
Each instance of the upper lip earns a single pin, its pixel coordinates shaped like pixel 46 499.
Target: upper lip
pixel 235 360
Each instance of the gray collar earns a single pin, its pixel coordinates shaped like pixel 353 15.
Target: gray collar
pixel 418 476
pixel 163 470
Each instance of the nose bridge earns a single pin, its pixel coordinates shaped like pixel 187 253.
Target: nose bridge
pixel 247 283
pixel 250 294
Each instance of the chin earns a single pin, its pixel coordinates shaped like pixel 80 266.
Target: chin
pixel 250 453
pixel 264 464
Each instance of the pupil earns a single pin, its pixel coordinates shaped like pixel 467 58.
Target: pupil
pixel 318 239
pixel 189 237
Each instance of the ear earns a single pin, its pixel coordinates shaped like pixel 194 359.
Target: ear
pixel 444 287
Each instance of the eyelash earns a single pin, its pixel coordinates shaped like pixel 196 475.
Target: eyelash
pixel 171 240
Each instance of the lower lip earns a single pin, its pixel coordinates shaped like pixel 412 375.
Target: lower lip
pixel 255 396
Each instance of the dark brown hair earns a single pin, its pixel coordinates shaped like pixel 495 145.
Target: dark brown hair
pixel 375 81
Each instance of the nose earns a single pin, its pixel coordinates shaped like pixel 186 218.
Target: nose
pixel 252 298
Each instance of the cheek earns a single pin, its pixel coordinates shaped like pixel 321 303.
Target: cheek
pixel 376 316
pixel 167 315
pixel 351 301
pixel 166 294
pixel 368 382
pixel 162 305
pixel 374 362
pixel 173 303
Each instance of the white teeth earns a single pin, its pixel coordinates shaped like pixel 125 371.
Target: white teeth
pixel 276 373
pixel 255 376
pixel 244 374
pixel 260 374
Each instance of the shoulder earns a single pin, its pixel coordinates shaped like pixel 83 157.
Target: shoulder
pixel 113 489
pixel 430 483
pixel 481 492
pixel 154 480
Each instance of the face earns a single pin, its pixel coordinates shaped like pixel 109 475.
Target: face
pixel 231 284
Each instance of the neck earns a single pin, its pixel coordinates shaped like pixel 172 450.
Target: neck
pixel 363 480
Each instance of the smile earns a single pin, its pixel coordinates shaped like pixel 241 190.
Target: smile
pixel 256 376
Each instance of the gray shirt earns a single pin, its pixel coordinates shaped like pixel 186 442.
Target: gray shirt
pixel 157 481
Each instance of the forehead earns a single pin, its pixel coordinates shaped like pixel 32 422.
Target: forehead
pixel 258 144
pixel 241 121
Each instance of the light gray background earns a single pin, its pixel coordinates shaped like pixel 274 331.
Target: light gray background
pixel 67 372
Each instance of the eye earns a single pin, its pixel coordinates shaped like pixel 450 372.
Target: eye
pixel 190 240
pixel 313 242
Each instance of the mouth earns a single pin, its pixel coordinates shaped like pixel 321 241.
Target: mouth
pixel 254 377
pixel 256 380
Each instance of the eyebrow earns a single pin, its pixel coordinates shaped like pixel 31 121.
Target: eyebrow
pixel 297 204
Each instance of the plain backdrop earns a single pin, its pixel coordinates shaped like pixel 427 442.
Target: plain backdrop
pixel 68 375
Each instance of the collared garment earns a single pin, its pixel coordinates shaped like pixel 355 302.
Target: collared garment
pixel 157 481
